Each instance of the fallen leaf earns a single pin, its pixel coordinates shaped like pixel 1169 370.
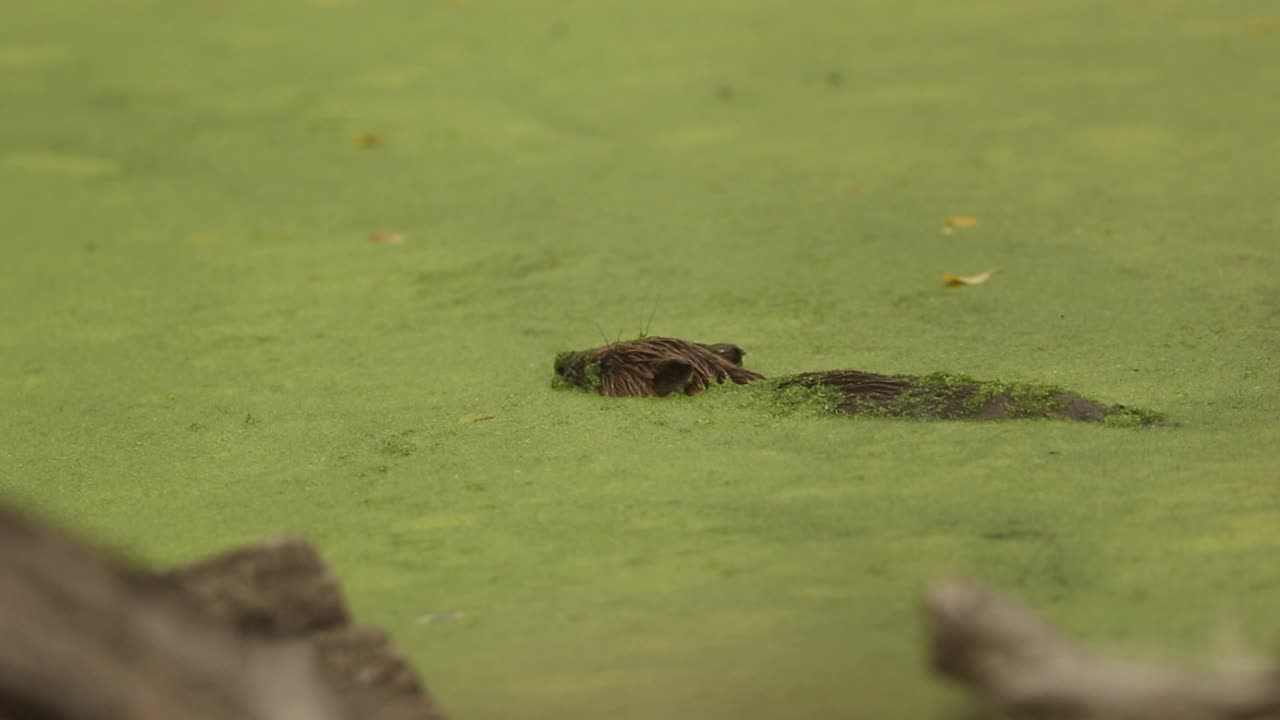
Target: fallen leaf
pixel 953 280
pixel 473 417
pixel 386 238
pixel 961 221
pixel 367 140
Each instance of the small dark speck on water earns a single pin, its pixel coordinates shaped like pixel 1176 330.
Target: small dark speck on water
pixel 835 79
pixel 91 246
pixel 724 93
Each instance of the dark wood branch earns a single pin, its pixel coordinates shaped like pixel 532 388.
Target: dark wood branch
pixel 279 588
pixel 361 665
pixel 260 633
pixel 1023 667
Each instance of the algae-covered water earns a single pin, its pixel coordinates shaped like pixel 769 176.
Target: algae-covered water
pixel 201 346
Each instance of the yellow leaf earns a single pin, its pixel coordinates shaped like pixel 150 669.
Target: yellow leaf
pixel 953 280
pixel 961 221
pixel 473 417
pixel 386 238
pixel 369 140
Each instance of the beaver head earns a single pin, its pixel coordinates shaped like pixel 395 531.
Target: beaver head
pixel 653 366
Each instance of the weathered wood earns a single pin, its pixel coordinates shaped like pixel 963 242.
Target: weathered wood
pixel 260 633
pixel 362 666
pixel 85 636
pixel 278 588
pixel 283 589
pixel 1023 667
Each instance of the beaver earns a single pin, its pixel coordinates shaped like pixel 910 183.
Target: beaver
pixel 654 366
pixel 660 366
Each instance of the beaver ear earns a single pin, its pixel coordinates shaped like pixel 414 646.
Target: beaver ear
pixel 671 375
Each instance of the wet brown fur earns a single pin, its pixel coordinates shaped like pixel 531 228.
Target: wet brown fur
pixel 866 392
pixel 655 366
pixel 860 389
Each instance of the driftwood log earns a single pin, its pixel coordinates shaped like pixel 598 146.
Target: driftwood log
pixel 263 633
pixel 1027 670
pixel 260 633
